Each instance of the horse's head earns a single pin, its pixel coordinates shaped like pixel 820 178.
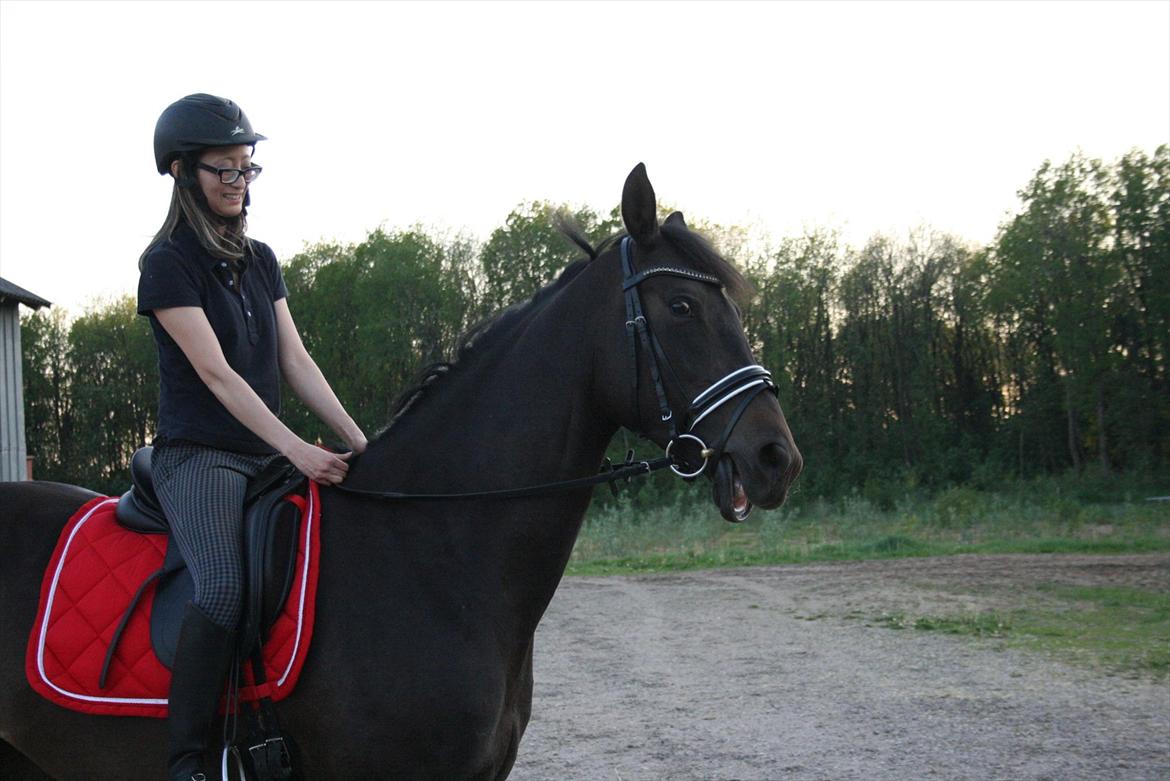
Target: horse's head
pixel 695 389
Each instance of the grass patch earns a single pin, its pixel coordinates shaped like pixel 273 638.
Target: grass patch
pixel 683 531
pixel 1119 629
pixel 974 624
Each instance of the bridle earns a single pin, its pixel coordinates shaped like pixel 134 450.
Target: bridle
pixel 746 383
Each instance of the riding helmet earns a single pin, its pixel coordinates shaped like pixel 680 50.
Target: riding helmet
pixel 199 121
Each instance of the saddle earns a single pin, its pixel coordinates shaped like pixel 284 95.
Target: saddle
pixel 271 529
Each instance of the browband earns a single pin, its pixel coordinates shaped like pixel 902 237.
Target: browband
pixel 685 273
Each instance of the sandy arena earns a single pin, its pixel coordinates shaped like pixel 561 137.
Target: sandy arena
pixel 788 673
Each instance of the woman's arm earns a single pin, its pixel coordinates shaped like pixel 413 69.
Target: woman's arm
pixel 305 378
pixel 189 327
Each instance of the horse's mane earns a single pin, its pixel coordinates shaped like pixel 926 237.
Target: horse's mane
pixel 479 338
pixel 489 331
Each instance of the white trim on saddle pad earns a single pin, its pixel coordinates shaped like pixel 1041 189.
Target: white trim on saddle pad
pixel 41 640
pixel 292 658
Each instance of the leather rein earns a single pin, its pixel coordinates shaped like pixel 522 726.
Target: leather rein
pixel 747 382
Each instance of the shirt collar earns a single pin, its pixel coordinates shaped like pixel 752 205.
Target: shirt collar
pixel 185 235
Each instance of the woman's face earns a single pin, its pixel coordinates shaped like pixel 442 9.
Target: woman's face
pixel 226 200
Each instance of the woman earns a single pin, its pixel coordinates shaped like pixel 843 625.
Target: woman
pixel 217 306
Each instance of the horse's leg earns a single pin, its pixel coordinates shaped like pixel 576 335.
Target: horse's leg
pixel 523 712
pixel 15 766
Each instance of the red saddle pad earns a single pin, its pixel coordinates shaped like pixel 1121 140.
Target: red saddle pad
pixel 95 570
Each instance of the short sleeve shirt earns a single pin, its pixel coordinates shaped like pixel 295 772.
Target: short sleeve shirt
pixel 180 272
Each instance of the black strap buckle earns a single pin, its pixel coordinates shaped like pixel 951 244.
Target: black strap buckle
pixel 271 760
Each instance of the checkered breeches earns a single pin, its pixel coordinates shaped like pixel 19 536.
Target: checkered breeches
pixel 202 490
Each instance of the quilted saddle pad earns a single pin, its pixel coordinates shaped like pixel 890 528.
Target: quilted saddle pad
pixel 91 578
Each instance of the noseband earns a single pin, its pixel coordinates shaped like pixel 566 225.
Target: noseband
pixel 747 382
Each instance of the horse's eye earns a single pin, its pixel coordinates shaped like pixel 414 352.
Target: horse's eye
pixel 681 307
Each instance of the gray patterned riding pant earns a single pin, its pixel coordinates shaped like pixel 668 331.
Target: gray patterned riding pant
pixel 201 490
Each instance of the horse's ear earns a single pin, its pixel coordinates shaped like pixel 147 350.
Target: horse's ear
pixel 640 207
pixel 676 218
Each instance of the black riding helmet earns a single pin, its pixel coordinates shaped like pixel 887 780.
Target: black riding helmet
pixel 199 121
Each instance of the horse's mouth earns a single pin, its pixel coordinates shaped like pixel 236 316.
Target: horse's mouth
pixel 729 494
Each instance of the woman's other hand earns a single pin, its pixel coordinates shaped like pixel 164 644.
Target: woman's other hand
pixel 321 465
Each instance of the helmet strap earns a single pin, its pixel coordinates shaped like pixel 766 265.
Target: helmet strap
pixel 187 178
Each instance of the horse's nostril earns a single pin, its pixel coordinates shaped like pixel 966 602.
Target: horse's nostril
pixel 774 456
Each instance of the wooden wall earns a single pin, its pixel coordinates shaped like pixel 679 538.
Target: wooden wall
pixel 12 446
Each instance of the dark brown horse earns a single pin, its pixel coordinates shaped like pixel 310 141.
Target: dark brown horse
pixel 421 665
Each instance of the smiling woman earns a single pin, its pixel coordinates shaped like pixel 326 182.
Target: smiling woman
pixel 199 140
pixel 225 337
pixel 226 188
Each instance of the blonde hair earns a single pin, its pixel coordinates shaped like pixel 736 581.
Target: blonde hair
pixel 189 205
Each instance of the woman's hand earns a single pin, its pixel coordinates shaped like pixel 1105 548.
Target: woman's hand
pixel 317 464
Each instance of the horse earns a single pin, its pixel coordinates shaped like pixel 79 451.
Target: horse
pixel 421 663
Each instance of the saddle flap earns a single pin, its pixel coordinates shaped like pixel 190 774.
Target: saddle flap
pixel 272 527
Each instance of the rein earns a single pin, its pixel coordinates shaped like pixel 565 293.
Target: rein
pixel 610 474
pixel 748 381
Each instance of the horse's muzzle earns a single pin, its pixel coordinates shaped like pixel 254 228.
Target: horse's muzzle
pixel 762 479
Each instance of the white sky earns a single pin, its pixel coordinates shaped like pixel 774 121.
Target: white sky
pixel 865 117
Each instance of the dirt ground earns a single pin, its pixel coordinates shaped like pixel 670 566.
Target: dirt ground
pixel 785 673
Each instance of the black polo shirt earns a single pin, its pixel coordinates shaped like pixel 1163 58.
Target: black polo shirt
pixel 179 272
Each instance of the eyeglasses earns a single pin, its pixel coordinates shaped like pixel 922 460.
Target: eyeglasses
pixel 230 175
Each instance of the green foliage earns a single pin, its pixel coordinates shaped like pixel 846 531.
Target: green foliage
pixel 115 392
pixel 1078 295
pixel 48 398
pixel 374 313
pixel 91 391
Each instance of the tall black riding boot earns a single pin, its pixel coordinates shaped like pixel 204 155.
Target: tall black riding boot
pixel 202 658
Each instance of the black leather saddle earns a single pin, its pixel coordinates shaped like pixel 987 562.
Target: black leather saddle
pixel 271 530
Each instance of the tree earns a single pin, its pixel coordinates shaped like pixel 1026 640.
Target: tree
pixel 529 251
pixel 1140 310
pixel 48 374
pixel 1054 279
pixel 372 314
pixel 790 324
pixel 114 393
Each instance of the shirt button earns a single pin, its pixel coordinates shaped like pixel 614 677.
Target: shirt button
pixel 230 283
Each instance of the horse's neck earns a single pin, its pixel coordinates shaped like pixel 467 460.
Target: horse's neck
pixel 522 413
pixel 519 416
